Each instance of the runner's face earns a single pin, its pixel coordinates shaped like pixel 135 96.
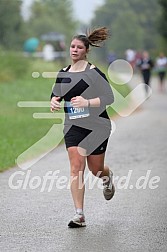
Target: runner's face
pixel 78 50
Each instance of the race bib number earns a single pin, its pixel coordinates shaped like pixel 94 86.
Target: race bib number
pixel 75 113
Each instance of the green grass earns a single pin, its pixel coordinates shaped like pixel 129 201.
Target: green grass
pixel 18 129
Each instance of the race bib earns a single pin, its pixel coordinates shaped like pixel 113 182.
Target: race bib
pixel 75 113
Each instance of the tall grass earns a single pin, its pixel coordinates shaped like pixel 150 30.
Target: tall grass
pixel 18 129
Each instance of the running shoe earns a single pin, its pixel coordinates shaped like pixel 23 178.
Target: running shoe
pixel 109 188
pixel 77 221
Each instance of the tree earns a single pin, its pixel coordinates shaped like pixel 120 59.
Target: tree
pixel 147 13
pixel 133 23
pixel 163 19
pixel 51 16
pixel 130 36
pixel 10 24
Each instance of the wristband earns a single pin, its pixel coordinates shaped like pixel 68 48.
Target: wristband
pixel 88 103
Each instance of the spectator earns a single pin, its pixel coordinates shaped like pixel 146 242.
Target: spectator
pixel 48 52
pixel 130 56
pixel 146 64
pixel 161 65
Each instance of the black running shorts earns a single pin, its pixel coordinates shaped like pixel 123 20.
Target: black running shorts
pixel 76 134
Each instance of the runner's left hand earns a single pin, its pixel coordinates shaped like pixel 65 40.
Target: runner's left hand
pixel 79 102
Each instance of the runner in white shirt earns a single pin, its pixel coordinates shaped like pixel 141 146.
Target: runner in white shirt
pixel 161 66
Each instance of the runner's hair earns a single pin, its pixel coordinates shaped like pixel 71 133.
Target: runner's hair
pixel 94 38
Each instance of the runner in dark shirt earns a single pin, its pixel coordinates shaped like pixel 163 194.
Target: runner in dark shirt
pixel 145 64
pixel 85 92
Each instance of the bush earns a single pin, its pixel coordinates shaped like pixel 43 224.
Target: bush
pixel 13 65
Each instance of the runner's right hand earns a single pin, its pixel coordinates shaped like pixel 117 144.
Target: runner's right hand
pixel 55 104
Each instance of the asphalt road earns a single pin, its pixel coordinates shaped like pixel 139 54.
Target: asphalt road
pixel 134 220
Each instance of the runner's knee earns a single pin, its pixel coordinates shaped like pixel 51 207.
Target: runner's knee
pixel 77 168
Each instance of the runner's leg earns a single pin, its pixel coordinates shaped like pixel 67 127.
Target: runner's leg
pixel 97 167
pixel 96 164
pixel 77 164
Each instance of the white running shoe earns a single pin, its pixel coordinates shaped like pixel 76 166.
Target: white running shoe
pixel 109 188
pixel 77 221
